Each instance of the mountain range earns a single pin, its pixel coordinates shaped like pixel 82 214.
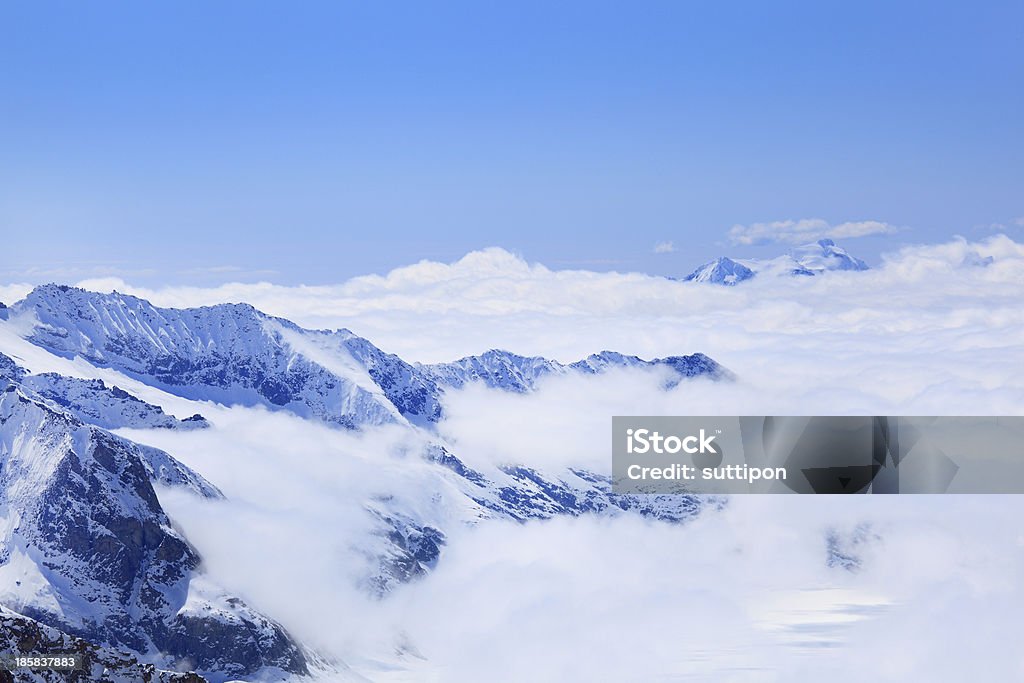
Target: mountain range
pixel 88 555
pixel 234 354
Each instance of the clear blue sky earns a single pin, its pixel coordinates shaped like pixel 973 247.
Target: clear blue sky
pixel 174 141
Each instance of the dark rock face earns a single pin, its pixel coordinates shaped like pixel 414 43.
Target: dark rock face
pixel 414 392
pixel 414 550
pixel 22 636
pixel 91 526
pixel 9 369
pixel 533 495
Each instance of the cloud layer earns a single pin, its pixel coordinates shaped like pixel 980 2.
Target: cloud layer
pixel 935 329
pixel 743 595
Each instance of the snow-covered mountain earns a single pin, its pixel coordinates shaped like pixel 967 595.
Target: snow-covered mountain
pixel 510 372
pixel 722 271
pixel 230 354
pixel 234 354
pixel 94 402
pixel 825 255
pixel 86 547
pixel 807 260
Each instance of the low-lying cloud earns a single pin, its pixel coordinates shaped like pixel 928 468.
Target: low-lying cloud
pixel 739 595
pixel 934 329
pixel 743 594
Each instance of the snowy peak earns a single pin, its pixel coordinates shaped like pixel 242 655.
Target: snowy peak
pixel 234 354
pixel 229 353
pixel 805 260
pixel 721 271
pixel 496 368
pixel 825 255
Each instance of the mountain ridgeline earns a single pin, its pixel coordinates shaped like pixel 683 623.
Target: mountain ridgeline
pixel 88 556
pixel 234 354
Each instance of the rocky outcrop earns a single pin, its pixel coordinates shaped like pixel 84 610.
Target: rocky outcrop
pixel 87 548
pixel 21 636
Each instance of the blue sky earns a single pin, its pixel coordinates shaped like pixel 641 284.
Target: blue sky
pixel 309 142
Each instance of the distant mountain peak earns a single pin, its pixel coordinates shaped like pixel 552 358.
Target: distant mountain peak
pixel 825 254
pixel 722 271
pixel 809 259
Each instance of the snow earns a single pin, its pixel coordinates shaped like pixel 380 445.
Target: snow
pixel 805 260
pixel 22 581
pixel 402 483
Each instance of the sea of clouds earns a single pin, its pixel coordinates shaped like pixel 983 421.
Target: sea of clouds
pixel 742 594
pixel 934 329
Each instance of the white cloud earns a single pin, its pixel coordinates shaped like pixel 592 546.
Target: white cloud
pixel 804 230
pixel 743 593
pixel 743 596
pixel 13 292
pixel 908 333
pixel 931 331
pixel 746 589
pixel 664 247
